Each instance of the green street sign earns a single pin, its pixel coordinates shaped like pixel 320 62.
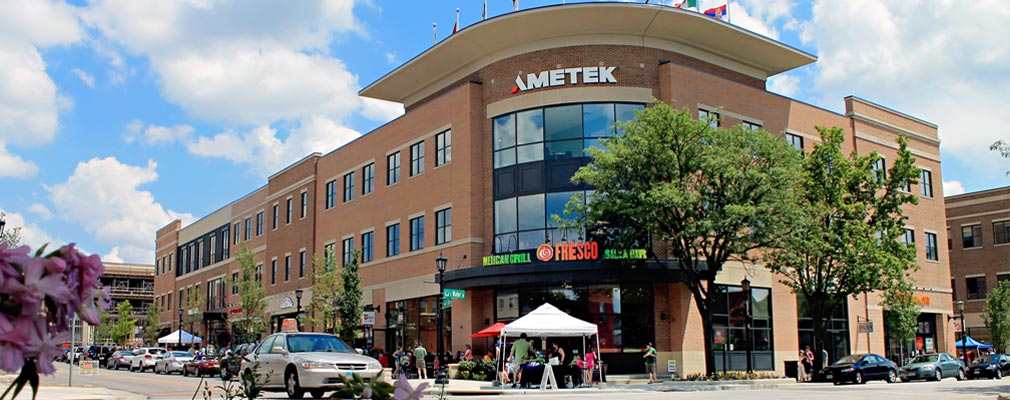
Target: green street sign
pixel 454 294
pixel 446 302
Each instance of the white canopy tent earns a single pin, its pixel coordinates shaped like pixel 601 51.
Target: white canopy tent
pixel 174 338
pixel 549 321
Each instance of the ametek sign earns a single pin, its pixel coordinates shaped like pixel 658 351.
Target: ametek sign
pixel 565 76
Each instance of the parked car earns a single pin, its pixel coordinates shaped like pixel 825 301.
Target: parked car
pixel 172 361
pixel 100 353
pixel 990 366
pixel 145 357
pixel 231 363
pixel 296 362
pixel 933 367
pixel 860 368
pixel 204 367
pixel 119 359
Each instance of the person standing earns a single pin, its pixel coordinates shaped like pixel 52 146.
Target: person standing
pixel 650 362
pixel 520 350
pixel 801 368
pixel 419 354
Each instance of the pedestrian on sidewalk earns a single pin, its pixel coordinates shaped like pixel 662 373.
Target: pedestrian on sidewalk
pixel 420 353
pixel 650 362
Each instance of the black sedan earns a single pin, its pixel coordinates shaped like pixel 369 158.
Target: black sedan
pixel 859 368
pixel 990 366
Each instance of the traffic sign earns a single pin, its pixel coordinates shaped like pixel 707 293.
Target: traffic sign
pixel 454 294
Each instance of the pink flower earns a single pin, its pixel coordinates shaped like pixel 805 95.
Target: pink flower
pixel 95 300
pixel 36 286
pixel 367 393
pixel 56 265
pixel 11 358
pixel 43 346
pixel 403 391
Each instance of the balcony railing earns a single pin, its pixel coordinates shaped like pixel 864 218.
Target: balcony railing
pixel 131 291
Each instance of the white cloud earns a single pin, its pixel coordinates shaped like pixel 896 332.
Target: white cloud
pixel 266 152
pixel 31 234
pixel 40 210
pixel 916 57
pixel 12 166
pixel 113 256
pixel 104 196
pixel 84 77
pixel 951 188
pixel 390 58
pixel 784 84
pixel 740 15
pixel 380 110
pixel 155 134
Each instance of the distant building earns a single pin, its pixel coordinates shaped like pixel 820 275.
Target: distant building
pixel 978 225
pixel 127 282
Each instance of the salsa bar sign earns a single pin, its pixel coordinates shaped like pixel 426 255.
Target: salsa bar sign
pixel 564 76
pixel 566 251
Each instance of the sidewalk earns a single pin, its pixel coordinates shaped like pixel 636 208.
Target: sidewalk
pixel 614 384
pixel 62 392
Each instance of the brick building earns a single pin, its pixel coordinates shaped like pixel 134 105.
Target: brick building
pixel 497 117
pixel 978 225
pixel 126 282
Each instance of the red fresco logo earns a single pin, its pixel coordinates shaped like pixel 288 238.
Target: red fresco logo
pixel 545 252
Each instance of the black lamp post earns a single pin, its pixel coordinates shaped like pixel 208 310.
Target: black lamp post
pixel 298 307
pixel 745 284
pixel 180 326
pixel 441 376
pixel 964 338
pixel 3 223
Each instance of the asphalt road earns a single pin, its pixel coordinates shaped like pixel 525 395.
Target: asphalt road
pixel 174 387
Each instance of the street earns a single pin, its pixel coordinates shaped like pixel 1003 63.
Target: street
pixel 175 387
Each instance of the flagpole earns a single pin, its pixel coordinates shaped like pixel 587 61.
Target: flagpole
pixel 729 19
pixel 456 28
pixel 434 34
pixel 484 16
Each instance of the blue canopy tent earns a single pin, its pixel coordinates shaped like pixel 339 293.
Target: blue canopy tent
pixel 969 343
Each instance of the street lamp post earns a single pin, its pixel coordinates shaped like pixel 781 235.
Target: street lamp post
pixel 442 376
pixel 964 338
pixel 3 223
pixel 298 308
pixel 180 326
pixel 745 283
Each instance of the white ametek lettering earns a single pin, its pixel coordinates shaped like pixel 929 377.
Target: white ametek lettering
pixel 566 76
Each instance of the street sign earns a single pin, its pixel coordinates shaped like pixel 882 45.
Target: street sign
pixel 866 327
pixel 455 294
pixel 368 318
pixel 446 302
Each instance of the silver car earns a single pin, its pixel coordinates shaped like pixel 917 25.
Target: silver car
pixel 296 362
pixel 145 357
pixel 172 361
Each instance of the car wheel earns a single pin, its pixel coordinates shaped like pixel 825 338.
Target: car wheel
pixel 961 375
pixel 937 375
pixel 892 376
pixel 185 372
pixel 999 373
pixel 859 378
pixel 291 384
pixel 317 393
pixel 837 383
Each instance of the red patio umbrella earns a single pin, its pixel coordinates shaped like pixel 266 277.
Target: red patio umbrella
pixel 491 331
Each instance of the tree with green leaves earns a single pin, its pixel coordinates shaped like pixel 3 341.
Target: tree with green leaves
pixel 151 321
pixel 996 314
pixel 103 332
pixel 847 241
pixel 1003 147
pixel 193 315
pixel 124 325
pixel 349 299
pixel 901 314
pixel 326 287
pixel 11 234
pixel 708 194
pixel 253 319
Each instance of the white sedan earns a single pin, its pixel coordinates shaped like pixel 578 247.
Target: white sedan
pixel 313 362
pixel 144 358
pixel 172 361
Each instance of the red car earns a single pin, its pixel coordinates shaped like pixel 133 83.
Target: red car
pixel 205 367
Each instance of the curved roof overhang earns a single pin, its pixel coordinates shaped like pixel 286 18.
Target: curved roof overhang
pixel 667 28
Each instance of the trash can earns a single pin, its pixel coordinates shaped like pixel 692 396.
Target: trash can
pixel 792 369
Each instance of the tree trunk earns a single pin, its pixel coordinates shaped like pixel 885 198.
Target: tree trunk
pixel 704 308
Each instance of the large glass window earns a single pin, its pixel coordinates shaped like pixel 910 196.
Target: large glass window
pixel 838 330
pixel 287 219
pixel 393 168
pixel 931 252
pixel 276 216
pixel 301 264
pixel 976 287
pixel 417 158
pixel 926 183
pixel 417 233
pixel 366 247
pixel 287 268
pixel 730 316
pixel 443 226
pixel 443 148
pixel 331 194
pixel 305 205
pixel 349 186
pixel 368 179
pixel 528 221
pixel 1001 232
pixel 392 240
pixel 971 236
pixel 348 250
pixel 259 223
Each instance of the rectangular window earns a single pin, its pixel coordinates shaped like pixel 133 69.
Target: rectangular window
pixel 368 179
pixel 287 268
pixel 931 251
pixel 443 148
pixel 795 140
pixel 975 287
pixel 289 209
pixel 259 272
pixel 348 187
pixel 248 229
pixel 1001 232
pixel 879 170
pixel 926 183
pixel 199 257
pixel 392 240
pixel 238 228
pixel 305 205
pixel 417 233
pixel 971 236
pixel 329 253
pixel 909 237
pixel 348 251
pixel 711 117
pixel 366 247
pixel 751 125
pixel 393 168
pixel 417 158
pixel 259 223
pixel 331 194
pixel 301 264
pixel 273 271
pixel 213 249
pixel 1002 278
pixel 234 283
pixel 224 246
pixel 443 226
pixel 275 217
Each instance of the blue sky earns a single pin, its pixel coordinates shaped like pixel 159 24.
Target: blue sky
pixel 118 116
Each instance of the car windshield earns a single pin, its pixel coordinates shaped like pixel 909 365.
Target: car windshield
pixel 320 343
pixel 992 358
pixel 852 359
pixel 179 354
pixel 925 359
pixel 156 351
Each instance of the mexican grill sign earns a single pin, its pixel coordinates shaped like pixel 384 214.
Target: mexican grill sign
pixel 564 76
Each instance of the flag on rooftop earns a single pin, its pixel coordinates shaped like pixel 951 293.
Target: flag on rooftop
pixel 717 12
pixel 455 28
pixel 687 3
